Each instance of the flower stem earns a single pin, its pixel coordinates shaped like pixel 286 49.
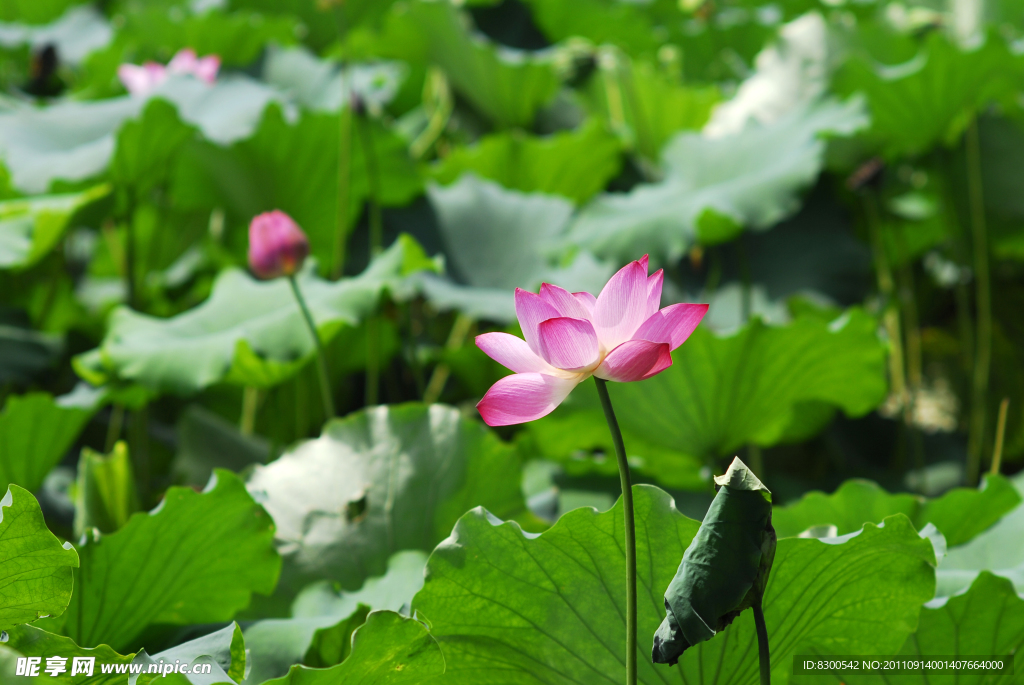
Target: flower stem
pixel 344 188
pixel 627 513
pixel 762 644
pixel 983 306
pixel 321 358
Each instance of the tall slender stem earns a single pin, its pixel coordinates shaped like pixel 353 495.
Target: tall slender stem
pixel 250 405
pixel 997 451
pixel 983 306
pixel 886 287
pixel 321 357
pixel 373 179
pixel 627 514
pixel 344 190
pixel 762 644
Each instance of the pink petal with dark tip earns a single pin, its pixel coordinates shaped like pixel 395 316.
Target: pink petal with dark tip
pixel 672 325
pixel 523 397
pixel 567 343
pixel 635 360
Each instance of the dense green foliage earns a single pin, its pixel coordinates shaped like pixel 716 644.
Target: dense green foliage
pixel 840 181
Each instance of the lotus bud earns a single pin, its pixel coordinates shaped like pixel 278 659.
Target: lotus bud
pixel 277 246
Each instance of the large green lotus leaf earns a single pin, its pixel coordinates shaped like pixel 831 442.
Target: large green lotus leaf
pixel 35 433
pixel 190 351
pixel 34 11
pixel 75 34
pixel 986 621
pixel 386 650
pixel 197 558
pixel 998 550
pixel 381 480
pixel 30 227
pixel 224 650
pixel 497 240
pixel 576 164
pixel 258 174
pixel 960 514
pixel 320 21
pixel 509 608
pixel 715 187
pixel 36 570
pixel 709 403
pixel 508 86
pixel 74 140
pixel 932 98
pixel 29 640
pixel 651 105
pixel 320 613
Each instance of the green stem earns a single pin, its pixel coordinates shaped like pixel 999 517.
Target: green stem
pixel 891 313
pixel 321 357
pixel 373 179
pixel 983 305
pixel 250 405
pixel 372 361
pixel 762 644
pixel 627 513
pixel 114 427
pixel 344 190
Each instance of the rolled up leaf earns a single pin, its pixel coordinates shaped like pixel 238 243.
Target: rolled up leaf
pixel 724 570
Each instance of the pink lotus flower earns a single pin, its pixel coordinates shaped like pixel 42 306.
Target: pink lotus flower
pixel 141 80
pixel 621 335
pixel 277 246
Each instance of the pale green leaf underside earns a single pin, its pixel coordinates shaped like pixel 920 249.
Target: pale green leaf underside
pixel 378 481
pixel 509 608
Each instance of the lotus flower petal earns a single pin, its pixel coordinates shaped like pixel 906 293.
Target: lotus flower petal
pixel 567 343
pixel 588 301
pixel 523 397
pixel 512 353
pixel 654 283
pixel 672 325
pixel 621 306
pixel 635 360
pixel 531 310
pixel 564 301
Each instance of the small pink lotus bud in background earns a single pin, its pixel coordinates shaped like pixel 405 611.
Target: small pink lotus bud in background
pixel 186 62
pixel 277 246
pixel 141 80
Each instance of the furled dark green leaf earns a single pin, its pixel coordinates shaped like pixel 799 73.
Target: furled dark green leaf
pixel 30 227
pixel 332 645
pixel 576 164
pixel 932 98
pixel 960 514
pixel 715 187
pixel 509 608
pixel 986 621
pixel 724 570
pixel 388 648
pixel 206 441
pixel 34 566
pixel 378 481
pixel 35 433
pixel 197 558
pixel 24 351
pixel 196 349
pixel 106 495
pixel 709 402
